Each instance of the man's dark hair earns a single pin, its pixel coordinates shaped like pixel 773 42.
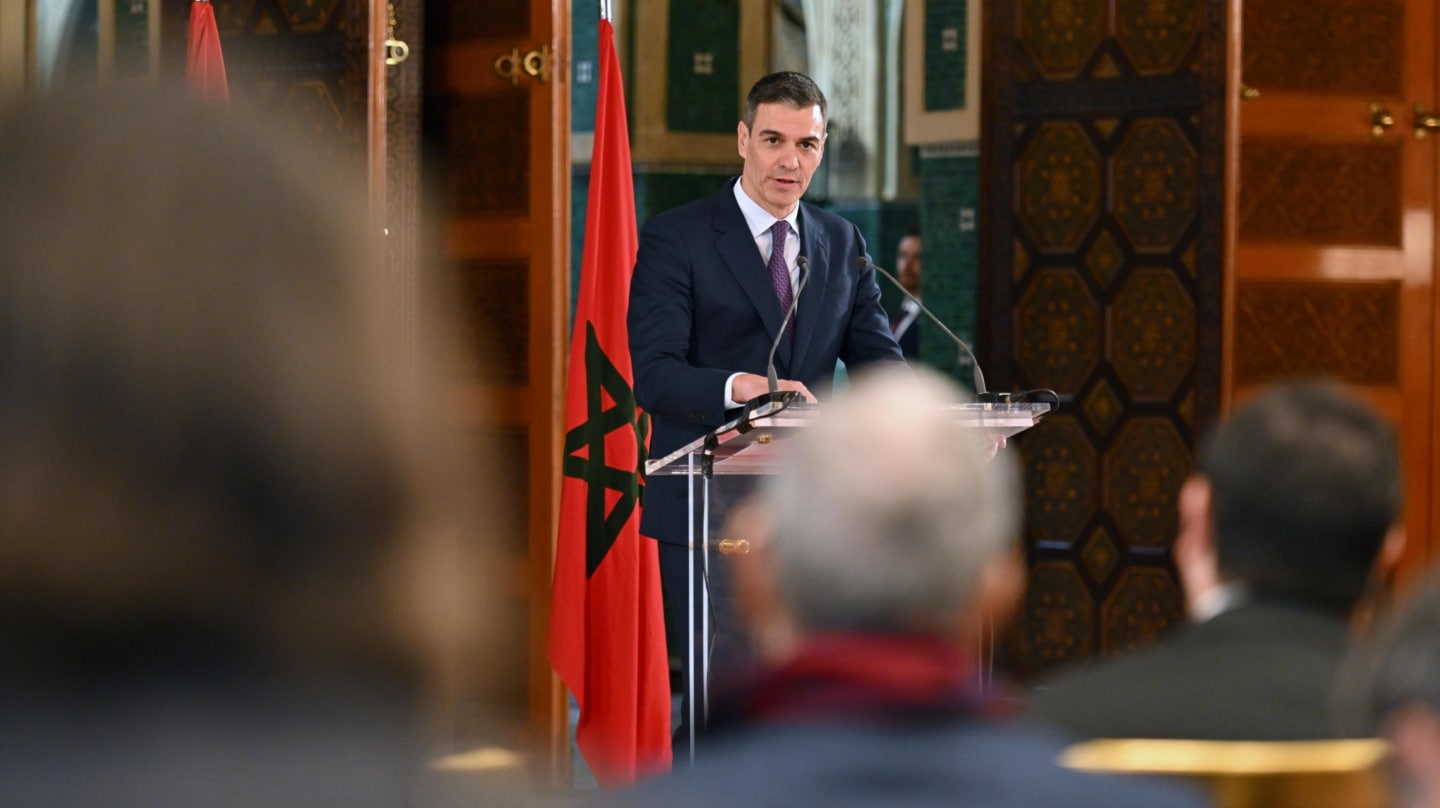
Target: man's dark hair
pixel 1306 482
pixel 786 87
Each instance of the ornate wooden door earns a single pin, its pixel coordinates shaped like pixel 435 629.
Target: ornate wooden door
pixel 1102 247
pixel 497 129
pixel 1333 213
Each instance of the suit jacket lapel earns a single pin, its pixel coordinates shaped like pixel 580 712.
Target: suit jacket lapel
pixel 815 246
pixel 737 250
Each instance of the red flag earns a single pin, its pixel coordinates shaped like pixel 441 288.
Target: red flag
pixel 607 622
pixel 204 63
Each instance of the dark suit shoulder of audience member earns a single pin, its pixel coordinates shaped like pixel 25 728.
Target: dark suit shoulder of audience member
pixel 1290 517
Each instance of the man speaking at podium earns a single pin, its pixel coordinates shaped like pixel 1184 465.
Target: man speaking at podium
pixel 714 282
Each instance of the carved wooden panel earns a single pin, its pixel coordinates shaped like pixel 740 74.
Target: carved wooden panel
pixel 1141 607
pixel 1152 334
pixel 486 151
pixel 1144 469
pixel 1154 180
pixel 1058 330
pixel 1062 482
pixel 1060 177
pixel 1346 330
pixel 1328 46
pixel 463 21
pixel 1061 37
pixel 1158 37
pixel 1320 193
pixel 1056 624
pixel 1104 145
pixel 494 300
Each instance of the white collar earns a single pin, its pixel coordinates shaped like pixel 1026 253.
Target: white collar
pixel 1218 600
pixel 760 220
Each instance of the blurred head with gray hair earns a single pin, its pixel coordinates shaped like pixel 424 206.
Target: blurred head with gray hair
pixel 889 516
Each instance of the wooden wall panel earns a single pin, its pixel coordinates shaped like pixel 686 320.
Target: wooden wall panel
pixel 1103 140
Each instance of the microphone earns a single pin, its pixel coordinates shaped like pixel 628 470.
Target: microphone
pixel 804 265
pixel 981 393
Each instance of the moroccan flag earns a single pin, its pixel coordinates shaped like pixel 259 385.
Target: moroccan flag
pixel 204 63
pixel 607 624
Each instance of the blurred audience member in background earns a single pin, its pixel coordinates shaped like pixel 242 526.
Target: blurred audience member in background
pixel 905 324
pixel 1391 688
pixel 1295 505
pixel 882 545
pixel 228 520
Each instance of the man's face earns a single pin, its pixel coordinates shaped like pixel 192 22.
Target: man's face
pixel 907 263
pixel 781 149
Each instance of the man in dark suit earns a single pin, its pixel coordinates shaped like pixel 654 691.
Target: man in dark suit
pixel 905 323
pixel 1296 502
pixel 713 281
pixel 882 547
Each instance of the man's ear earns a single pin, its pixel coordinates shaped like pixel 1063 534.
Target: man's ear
pixel 742 136
pixel 1001 586
pixel 1392 550
pixel 1194 550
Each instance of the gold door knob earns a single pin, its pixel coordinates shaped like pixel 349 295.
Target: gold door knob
pixel 396 51
pixel 537 63
pixel 1425 121
pixel 1380 119
pixel 1248 93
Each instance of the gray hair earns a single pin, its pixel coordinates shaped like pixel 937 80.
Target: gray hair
pixel 886 511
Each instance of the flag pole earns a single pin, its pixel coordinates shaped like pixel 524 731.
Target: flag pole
pixel 605 10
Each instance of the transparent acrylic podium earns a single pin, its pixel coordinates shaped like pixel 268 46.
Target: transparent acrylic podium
pixel 749 446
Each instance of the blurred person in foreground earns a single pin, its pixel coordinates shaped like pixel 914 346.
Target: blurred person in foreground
pixel 1390 688
pixel 226 514
pixel 1294 508
pixel 880 546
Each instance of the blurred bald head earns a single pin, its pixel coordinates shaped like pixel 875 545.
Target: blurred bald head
pixel 887 513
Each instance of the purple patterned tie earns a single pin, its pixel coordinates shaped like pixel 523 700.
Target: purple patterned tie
pixel 780 269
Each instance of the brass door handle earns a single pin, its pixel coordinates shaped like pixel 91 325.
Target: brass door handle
pixel 1248 93
pixel 396 50
pixel 535 64
pixel 1380 119
pixel 1425 121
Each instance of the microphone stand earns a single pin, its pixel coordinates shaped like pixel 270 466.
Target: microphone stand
pixel 981 393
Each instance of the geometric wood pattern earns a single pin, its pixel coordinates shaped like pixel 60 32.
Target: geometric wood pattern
pixel 1061 37
pixel 1058 330
pixel 1308 193
pixel 1056 623
pixel 1346 330
pixel 1144 469
pixel 1062 482
pixel 1329 46
pixel 1140 608
pixel 1061 186
pixel 1152 334
pixel 1157 36
pixel 1104 146
pixel 1154 183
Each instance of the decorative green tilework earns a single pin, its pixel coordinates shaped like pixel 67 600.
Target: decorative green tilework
pixel 585 70
pixel 945 52
pixel 703 66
